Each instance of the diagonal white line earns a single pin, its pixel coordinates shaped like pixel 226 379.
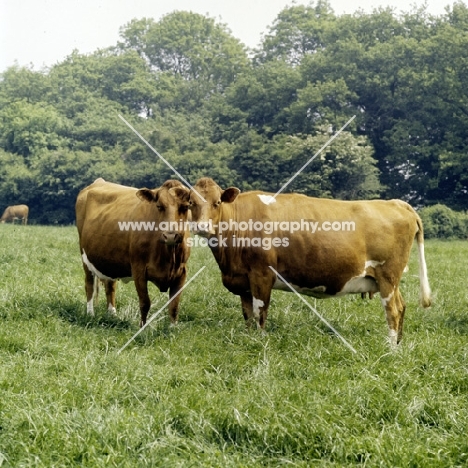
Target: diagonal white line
pixel 160 310
pixel 314 156
pixel 314 311
pixel 159 156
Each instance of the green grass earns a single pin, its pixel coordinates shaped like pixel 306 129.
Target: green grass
pixel 208 392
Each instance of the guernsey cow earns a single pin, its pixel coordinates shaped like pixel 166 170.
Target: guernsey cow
pixel 15 212
pixel 132 234
pixel 323 248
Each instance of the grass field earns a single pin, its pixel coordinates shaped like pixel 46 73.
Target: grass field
pixel 208 392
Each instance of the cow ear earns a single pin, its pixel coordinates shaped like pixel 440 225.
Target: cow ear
pixel 146 195
pixel 230 194
pixel 181 193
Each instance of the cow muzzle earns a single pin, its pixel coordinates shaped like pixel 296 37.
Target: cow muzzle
pixel 204 229
pixel 171 238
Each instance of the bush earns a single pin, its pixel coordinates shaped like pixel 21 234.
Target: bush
pixel 444 223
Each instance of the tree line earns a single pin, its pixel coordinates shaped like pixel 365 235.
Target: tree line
pixel 249 118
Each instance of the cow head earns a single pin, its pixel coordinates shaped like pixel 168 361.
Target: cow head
pixel 206 211
pixel 169 206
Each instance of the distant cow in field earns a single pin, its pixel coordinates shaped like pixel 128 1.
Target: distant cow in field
pixel 150 249
pixel 15 212
pixel 316 260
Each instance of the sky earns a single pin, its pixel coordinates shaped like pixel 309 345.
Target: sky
pixel 42 33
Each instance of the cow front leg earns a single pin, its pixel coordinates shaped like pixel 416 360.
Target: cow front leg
pixel 175 287
pixel 247 309
pixel 261 284
pixel 110 295
pixel 141 286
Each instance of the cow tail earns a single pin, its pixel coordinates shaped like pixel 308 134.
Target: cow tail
pixel 425 290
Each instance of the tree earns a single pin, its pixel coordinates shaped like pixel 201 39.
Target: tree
pixel 264 94
pixel 298 30
pixel 194 53
pixel 345 170
pixel 23 84
pixel 27 128
pixel 59 176
pixel 16 180
pixel 405 79
pixel 320 103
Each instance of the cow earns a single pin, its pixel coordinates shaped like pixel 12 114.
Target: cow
pixel 15 212
pixel 368 255
pixel 111 248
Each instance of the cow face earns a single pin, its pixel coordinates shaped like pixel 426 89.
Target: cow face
pixel 169 204
pixel 206 211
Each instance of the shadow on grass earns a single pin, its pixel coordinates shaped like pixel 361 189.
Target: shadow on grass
pixel 74 313
pixel 151 335
pixel 458 324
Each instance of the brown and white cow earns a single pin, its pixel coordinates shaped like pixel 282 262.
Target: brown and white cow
pixel 15 212
pixel 112 248
pixel 367 255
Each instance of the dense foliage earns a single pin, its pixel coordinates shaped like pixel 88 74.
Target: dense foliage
pixel 440 222
pixel 249 118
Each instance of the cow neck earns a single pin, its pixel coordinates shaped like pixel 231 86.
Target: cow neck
pixel 170 259
pixel 173 261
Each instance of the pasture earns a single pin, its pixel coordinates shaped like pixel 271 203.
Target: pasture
pixel 210 393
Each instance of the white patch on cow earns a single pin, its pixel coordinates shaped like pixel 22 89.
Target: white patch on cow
pixel 356 285
pixel 267 199
pixel 90 307
pixel 406 269
pixel 93 269
pixel 386 300
pixel 359 284
pixel 367 264
pixel 362 283
pixel 393 335
pixel 111 309
pixel 257 303
pixel 372 263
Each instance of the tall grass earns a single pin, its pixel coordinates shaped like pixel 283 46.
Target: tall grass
pixel 208 392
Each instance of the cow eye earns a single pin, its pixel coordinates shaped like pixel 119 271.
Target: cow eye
pixel 160 207
pixel 216 204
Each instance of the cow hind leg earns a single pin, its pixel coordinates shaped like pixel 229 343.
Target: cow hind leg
pixel 90 289
pixel 394 307
pixel 388 279
pixel 401 309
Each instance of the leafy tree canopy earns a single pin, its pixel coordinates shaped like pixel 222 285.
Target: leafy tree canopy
pixel 192 90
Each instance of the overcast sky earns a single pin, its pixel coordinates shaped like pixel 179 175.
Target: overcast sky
pixel 44 32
